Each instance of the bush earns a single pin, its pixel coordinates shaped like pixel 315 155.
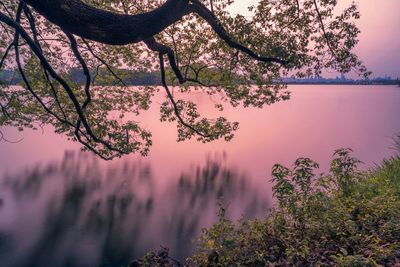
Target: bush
pixel 345 218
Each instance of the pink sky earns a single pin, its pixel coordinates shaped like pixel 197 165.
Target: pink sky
pixel 379 45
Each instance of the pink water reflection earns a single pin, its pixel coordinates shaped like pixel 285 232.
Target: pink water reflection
pixel 184 180
pixel 315 122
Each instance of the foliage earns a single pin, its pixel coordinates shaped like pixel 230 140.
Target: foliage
pixel 345 218
pixel 155 259
pixel 300 38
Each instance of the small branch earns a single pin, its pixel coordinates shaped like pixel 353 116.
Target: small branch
pixel 4 110
pixel 28 85
pixel 96 74
pixel 32 23
pixel 212 6
pixel 171 98
pixel 153 45
pixel 200 82
pixel 323 30
pixel 36 50
pixel 103 62
pixel 208 16
pixel 75 50
pixel 87 145
pixel 86 72
pixel 6 9
pixel 297 16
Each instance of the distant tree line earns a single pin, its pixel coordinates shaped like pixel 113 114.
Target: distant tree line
pixel 141 78
pixel 342 80
pixel 128 77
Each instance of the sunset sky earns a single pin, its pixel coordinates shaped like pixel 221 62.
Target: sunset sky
pixel 379 45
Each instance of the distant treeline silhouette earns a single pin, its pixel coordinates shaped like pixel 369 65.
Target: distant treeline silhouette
pixel 141 78
pixel 103 77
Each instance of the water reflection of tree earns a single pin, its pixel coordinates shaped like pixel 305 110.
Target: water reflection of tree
pixel 195 200
pixel 81 213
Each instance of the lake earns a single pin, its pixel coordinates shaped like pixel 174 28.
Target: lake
pixel 62 207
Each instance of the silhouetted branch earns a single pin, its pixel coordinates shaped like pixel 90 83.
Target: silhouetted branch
pixel 46 65
pixel 209 17
pixel 171 98
pixel 328 42
pixel 297 15
pixel 153 45
pixel 103 62
pixel 92 23
pixel 82 62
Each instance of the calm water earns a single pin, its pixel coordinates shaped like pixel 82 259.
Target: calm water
pixel 60 207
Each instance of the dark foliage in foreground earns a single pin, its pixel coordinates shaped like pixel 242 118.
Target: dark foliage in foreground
pixel 345 218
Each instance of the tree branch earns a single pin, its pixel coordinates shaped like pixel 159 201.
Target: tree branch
pixel 208 16
pixel 153 45
pixel 171 98
pixel 328 42
pixel 82 62
pixel 106 27
pixel 36 50
pixel 103 62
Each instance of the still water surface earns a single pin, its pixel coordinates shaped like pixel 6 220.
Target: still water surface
pixel 61 207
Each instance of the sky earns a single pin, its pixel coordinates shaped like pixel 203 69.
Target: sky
pixel 379 46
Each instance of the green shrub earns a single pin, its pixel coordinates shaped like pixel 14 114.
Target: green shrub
pixel 345 218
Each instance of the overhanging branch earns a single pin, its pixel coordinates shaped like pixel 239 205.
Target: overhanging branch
pixel 107 27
